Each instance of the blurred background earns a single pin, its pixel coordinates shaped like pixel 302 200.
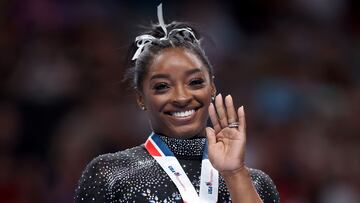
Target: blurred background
pixel 293 64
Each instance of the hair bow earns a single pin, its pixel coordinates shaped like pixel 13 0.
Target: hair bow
pixel 144 40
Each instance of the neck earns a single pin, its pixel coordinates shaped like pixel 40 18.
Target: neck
pixel 201 134
pixel 192 147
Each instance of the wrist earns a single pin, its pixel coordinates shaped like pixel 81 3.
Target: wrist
pixel 240 172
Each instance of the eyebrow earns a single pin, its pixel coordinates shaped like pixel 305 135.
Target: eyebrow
pixel 189 72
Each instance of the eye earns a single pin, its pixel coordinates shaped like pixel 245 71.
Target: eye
pixel 160 86
pixel 196 82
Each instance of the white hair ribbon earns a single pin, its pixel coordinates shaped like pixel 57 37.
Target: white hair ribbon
pixel 187 29
pixel 143 40
pixel 161 20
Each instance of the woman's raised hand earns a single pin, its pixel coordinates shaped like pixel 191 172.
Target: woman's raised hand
pixel 226 141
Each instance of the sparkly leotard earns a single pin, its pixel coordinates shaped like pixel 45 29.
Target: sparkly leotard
pixel 133 175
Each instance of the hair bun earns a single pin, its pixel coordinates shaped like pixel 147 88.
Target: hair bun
pixel 183 34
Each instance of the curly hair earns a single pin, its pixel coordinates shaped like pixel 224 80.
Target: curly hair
pixel 179 38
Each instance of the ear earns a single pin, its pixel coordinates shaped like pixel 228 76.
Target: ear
pixel 140 100
pixel 213 86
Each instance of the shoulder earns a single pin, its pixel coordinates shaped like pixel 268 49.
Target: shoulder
pixel 264 186
pixel 102 172
pixel 107 165
pixel 110 161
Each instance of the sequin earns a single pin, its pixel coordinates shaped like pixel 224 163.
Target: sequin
pixel 133 175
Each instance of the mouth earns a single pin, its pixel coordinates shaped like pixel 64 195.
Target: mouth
pixel 181 114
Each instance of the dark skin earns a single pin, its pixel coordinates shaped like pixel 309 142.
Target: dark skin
pixel 176 94
pixel 177 81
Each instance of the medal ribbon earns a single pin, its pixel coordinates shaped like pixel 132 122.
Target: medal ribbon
pixel 209 180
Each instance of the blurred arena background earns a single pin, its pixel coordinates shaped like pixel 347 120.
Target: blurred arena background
pixel 293 64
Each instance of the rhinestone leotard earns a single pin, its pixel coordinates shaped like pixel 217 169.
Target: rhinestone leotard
pixel 133 175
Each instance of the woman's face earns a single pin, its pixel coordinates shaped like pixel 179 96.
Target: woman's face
pixel 177 92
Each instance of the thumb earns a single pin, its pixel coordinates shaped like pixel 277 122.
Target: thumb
pixel 210 134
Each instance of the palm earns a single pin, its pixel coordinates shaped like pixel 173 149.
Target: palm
pixel 226 147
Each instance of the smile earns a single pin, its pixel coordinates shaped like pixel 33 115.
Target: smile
pixel 182 114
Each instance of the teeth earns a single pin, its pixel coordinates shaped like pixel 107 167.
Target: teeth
pixel 183 113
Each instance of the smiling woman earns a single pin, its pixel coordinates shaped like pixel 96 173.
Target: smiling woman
pixel 183 160
pixel 177 91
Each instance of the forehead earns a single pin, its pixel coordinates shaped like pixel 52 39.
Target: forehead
pixel 175 61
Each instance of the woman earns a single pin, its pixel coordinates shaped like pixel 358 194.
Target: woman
pixel 183 160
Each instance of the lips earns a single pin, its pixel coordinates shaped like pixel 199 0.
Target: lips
pixel 185 112
pixel 182 114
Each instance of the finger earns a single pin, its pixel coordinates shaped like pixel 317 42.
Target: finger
pixel 221 111
pixel 210 134
pixel 214 118
pixel 242 122
pixel 230 109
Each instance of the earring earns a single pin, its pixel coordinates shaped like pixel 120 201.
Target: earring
pixel 143 108
pixel 212 98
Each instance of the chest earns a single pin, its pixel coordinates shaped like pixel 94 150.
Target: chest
pixel 149 183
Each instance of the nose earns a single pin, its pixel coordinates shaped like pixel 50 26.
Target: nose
pixel 181 96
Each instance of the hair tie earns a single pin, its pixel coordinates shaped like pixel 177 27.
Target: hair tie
pixel 141 42
pixel 144 40
pixel 161 20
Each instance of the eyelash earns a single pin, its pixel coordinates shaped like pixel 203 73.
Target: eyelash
pixel 160 86
pixel 163 86
pixel 196 82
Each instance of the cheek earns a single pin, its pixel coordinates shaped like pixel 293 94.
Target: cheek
pixel 205 96
pixel 156 103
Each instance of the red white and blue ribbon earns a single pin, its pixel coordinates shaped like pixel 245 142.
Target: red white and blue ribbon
pixel 209 180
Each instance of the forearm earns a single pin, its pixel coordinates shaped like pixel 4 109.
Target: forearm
pixel 240 186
